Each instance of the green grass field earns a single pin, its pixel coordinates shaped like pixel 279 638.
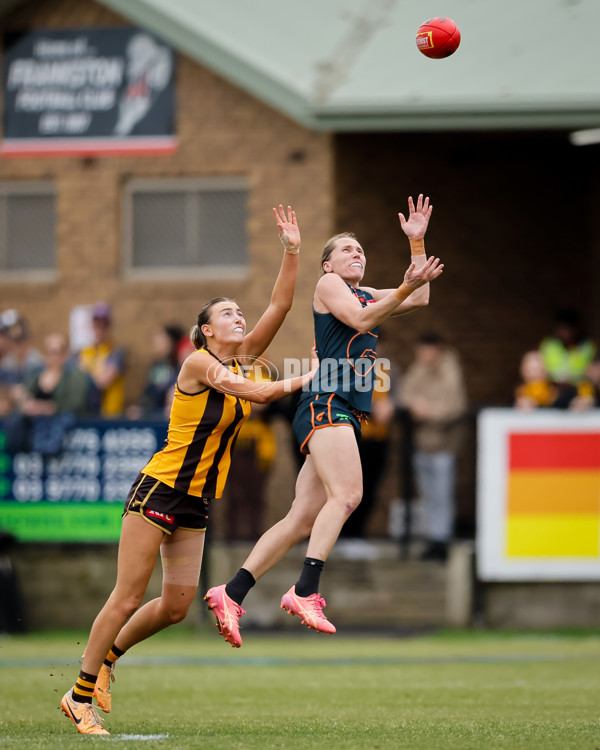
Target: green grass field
pixel 185 689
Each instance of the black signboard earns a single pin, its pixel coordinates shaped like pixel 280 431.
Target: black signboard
pixel 87 91
pixel 78 494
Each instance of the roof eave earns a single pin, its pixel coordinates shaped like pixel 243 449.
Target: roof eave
pixel 354 120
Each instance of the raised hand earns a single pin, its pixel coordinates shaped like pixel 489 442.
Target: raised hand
pixel 416 278
pixel 418 218
pixel 289 232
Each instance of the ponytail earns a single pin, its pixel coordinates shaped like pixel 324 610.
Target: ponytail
pixel 197 338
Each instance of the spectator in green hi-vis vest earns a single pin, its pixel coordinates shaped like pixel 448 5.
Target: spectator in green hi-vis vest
pixel 569 351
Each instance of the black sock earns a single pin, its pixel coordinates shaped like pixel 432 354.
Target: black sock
pixel 308 583
pixel 112 656
pixel 240 585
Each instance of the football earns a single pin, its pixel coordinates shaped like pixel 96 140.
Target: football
pixel 438 38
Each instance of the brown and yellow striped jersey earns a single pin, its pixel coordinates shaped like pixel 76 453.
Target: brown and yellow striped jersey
pixel 203 428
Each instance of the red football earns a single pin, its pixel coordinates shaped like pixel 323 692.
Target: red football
pixel 438 37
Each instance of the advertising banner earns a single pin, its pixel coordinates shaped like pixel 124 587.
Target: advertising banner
pixel 87 92
pixel 78 494
pixel 538 495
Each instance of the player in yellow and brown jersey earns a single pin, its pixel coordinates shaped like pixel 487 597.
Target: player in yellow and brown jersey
pixel 166 509
pixel 202 430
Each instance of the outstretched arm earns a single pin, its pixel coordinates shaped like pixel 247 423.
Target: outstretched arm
pixel 200 369
pixel 414 228
pixel 282 296
pixel 333 293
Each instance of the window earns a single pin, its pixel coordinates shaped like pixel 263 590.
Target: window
pixel 27 228
pixel 185 227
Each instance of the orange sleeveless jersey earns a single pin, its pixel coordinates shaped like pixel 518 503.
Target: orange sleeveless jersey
pixel 203 428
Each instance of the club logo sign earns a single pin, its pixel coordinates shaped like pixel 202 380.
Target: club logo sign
pixel 87 91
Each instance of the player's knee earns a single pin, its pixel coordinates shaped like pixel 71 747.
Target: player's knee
pixel 352 501
pixel 301 521
pixel 303 528
pixel 175 614
pixel 128 605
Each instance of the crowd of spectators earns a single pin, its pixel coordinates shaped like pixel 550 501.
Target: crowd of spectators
pixel 56 385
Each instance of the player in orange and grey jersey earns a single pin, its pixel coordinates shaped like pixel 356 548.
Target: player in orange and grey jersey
pixel 329 486
pixel 167 507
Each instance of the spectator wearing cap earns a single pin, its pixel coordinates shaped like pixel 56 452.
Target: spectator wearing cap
pixel 105 362
pixel 20 360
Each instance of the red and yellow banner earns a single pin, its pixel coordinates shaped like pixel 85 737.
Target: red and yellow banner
pixel 553 499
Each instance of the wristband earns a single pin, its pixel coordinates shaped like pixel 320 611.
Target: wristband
pixel 417 246
pixel 289 248
pixel 403 291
